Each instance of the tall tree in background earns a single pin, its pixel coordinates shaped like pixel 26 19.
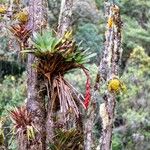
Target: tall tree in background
pixel 109 72
pixel 35 95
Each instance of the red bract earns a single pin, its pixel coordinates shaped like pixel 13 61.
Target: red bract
pixel 88 89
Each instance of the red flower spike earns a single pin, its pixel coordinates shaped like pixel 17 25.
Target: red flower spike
pixel 88 89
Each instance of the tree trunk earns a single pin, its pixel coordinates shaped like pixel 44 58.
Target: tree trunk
pixel 35 95
pixel 89 125
pixel 65 17
pixel 109 68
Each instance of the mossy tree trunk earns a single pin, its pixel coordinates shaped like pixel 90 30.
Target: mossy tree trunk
pixel 109 68
pixel 35 84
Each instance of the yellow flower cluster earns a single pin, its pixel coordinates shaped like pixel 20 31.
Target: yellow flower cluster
pixel 3 9
pixel 110 22
pixel 22 16
pixel 115 85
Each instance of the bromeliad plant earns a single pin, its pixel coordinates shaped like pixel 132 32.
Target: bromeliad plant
pixel 22 33
pixel 21 29
pixel 22 123
pixel 48 45
pixel 67 140
pixel 55 57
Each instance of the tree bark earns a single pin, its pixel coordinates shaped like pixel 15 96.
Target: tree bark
pixel 35 95
pixel 109 68
pixel 65 17
pixel 89 125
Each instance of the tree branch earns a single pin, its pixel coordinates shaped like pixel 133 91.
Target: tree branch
pixel 36 102
pixel 109 68
pixel 65 17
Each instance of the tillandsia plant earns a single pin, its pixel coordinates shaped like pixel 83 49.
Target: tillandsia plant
pixel 19 24
pixel 55 57
pixel 67 140
pixel 22 33
pixel 22 124
pixel 15 18
pixel 47 45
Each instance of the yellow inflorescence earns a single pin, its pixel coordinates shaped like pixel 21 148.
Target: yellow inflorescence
pixel 68 36
pixel 110 22
pixel 3 9
pixel 115 85
pixel 22 16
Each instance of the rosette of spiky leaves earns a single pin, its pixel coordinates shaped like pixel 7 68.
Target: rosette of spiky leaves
pixel 73 52
pixel 80 56
pixel 45 44
pixel 67 140
pixel 21 32
pixel 55 55
pixel 22 123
